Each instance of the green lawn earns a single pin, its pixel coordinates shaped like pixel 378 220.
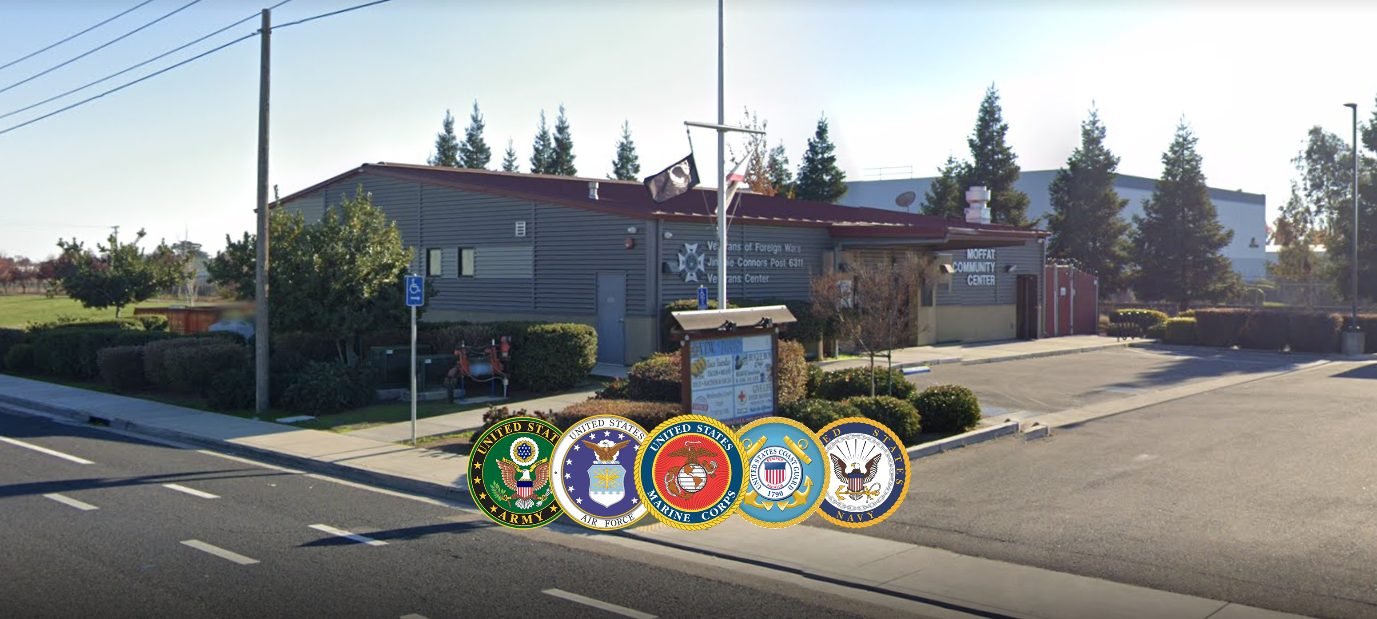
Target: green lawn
pixel 18 310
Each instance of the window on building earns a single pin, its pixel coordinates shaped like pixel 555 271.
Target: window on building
pixel 433 262
pixel 465 262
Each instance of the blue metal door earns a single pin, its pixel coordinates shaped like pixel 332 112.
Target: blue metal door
pixel 611 318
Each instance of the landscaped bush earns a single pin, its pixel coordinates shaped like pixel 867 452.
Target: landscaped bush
pixel 189 369
pixel 63 324
pixel 667 324
pixel 443 339
pixel 8 338
pixel 121 367
pixel 71 352
pixel 154 354
pixel 1219 327
pixel 1317 333
pixel 305 346
pixel 814 381
pixel 851 382
pixel 1125 330
pixel 1181 331
pixel 152 322
pixel 20 358
pixel 793 373
pixel 617 389
pixel 817 413
pixel 1156 332
pixel 131 337
pixel 1265 330
pixel 325 387
pixel 947 408
pixel 896 414
pixel 648 415
pixel 498 414
pixel 1144 318
pixel 550 357
pixel 232 390
pixel 656 379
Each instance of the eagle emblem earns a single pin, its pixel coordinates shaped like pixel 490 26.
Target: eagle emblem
pixel 692 476
pixel 855 480
pixel 606 450
pixel 525 483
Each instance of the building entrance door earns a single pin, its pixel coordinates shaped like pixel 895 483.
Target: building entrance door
pixel 611 323
pixel 1027 307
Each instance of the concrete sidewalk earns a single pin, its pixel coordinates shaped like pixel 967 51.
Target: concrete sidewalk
pixel 981 586
pixel 991 352
pixel 467 420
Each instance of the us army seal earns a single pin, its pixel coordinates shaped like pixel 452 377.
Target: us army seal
pixel 509 473
pixel 689 472
pixel 591 478
pixel 786 469
pixel 868 474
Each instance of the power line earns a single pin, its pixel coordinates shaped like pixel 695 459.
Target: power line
pixel 352 8
pixel 102 46
pixel 126 12
pixel 155 58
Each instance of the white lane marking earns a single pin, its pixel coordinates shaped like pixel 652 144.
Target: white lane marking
pixel 191 491
pixel 219 552
pixel 345 534
pixel 413 616
pixel 598 604
pixel 45 450
pixel 65 500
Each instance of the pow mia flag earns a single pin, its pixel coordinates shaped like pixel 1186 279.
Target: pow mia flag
pixel 673 181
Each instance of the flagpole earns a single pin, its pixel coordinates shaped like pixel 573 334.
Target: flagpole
pixel 721 176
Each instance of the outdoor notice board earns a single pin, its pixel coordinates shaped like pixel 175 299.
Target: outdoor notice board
pixel 732 378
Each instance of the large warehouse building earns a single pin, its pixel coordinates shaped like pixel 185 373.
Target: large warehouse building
pixel 505 246
pixel 1244 213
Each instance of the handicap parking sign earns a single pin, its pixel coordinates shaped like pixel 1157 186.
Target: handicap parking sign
pixel 415 291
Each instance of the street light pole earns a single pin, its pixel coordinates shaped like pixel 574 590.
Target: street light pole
pixel 260 329
pixel 1353 317
pixel 721 175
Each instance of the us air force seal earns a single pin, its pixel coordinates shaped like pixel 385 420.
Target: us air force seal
pixel 787 471
pixel 869 472
pixel 509 473
pixel 690 473
pixel 590 472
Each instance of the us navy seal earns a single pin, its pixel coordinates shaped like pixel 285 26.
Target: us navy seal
pixel 869 472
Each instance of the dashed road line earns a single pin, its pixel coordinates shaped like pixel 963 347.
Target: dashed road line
pixel 45 450
pixel 219 552
pixel 191 491
pixel 66 500
pixel 598 604
pixel 347 535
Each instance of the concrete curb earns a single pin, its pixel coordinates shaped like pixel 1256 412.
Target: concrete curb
pixel 962 440
pixel 1054 353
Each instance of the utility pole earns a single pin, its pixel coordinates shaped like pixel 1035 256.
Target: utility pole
pixel 260 322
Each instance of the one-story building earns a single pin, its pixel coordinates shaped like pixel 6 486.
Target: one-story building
pixel 510 246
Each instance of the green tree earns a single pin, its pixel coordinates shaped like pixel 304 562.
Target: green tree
pixel 341 276
pixel 1085 221
pixel 509 163
pixel 474 152
pixel 543 149
pixel 819 178
pixel 627 166
pixel 1177 241
pixel 446 145
pixel 994 164
pixel 945 196
pixel 1338 243
pixel 562 161
pixel 118 274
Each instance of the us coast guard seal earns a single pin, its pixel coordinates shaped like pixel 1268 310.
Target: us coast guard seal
pixel 592 477
pixel 787 471
pixel 690 473
pixel 509 473
pixel 868 475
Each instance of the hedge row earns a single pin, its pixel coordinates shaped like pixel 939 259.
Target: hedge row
pixel 1144 318
pixel 1268 329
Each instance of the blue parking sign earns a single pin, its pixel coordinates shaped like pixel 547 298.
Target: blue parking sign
pixel 702 297
pixel 415 291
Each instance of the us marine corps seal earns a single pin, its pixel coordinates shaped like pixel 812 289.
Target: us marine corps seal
pixel 689 472
pixel 786 469
pixel 509 473
pixel 868 475
pixel 591 477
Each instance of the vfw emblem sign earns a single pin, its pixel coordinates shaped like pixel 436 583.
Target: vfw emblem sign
pixel 592 472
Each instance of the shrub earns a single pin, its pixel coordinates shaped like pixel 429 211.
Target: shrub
pixel 814 381
pixel 20 358
pixel 1265 330
pixel 71 352
pixel 445 338
pixel 9 338
pixel 497 415
pixel 226 336
pixel 896 414
pixel 1181 331
pixel 656 379
pixel 121 367
pixel 1156 332
pixel 306 346
pixel 947 408
pixel 190 368
pixel 232 390
pixel 667 318
pixel 325 387
pixel 648 415
pixel 618 389
pixel 550 357
pixel 63 324
pixel 1144 318
pixel 793 373
pixel 1186 314
pixel 154 354
pixel 853 382
pixel 1317 333
pixel 817 413
pixel 152 322
pixel 141 338
pixel 1125 329
pixel 1219 327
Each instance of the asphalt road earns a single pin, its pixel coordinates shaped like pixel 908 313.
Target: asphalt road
pixel 149 550
pixel 1263 494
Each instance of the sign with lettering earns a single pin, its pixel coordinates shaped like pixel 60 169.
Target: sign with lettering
pixel 732 378
pixel 979 267
pixel 754 262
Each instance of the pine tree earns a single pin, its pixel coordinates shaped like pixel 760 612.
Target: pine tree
pixel 509 163
pixel 777 171
pixel 1085 221
pixel 1177 241
pixel 562 162
pixel 994 164
pixel 627 166
pixel 819 179
pixel 474 152
pixel 543 150
pixel 945 196
pixel 446 145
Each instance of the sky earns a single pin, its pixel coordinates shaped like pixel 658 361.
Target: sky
pixel 899 82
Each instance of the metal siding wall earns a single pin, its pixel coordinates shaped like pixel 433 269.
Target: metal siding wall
pixel 504 262
pixel 758 243
pixel 574 245
pixel 1028 259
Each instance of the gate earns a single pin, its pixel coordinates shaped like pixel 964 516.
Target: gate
pixel 1071 301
